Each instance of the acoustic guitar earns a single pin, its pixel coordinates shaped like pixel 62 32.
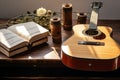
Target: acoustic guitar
pixel 91 49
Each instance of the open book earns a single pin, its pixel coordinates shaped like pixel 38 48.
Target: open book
pixel 20 37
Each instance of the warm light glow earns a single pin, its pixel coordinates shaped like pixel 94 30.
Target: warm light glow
pixel 30 30
pixel 51 55
pixel 67 49
pixel 23 30
pixel 29 57
pixel 80 52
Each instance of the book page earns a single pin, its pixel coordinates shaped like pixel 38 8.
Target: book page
pixel 31 31
pixel 11 41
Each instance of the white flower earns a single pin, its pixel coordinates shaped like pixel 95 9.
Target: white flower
pixel 41 11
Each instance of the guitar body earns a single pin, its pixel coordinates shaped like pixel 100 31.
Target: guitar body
pixel 90 57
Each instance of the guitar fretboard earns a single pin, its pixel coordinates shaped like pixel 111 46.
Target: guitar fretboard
pixel 94 15
pixel 94 19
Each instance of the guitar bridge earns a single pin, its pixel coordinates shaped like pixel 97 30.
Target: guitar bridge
pixel 91 43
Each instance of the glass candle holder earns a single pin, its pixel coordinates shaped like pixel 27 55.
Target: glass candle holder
pixel 55 26
pixel 67 16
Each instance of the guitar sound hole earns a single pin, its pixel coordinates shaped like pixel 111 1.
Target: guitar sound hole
pixel 95 33
pixel 91 32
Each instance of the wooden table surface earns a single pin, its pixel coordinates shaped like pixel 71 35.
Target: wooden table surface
pixel 42 51
pixel 43 57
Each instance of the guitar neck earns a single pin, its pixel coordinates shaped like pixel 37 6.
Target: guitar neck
pixel 94 19
pixel 94 15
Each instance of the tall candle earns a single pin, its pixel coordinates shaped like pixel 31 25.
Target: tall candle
pixel 55 25
pixel 67 16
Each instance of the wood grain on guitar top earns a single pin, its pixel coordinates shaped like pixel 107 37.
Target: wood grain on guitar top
pixel 110 51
